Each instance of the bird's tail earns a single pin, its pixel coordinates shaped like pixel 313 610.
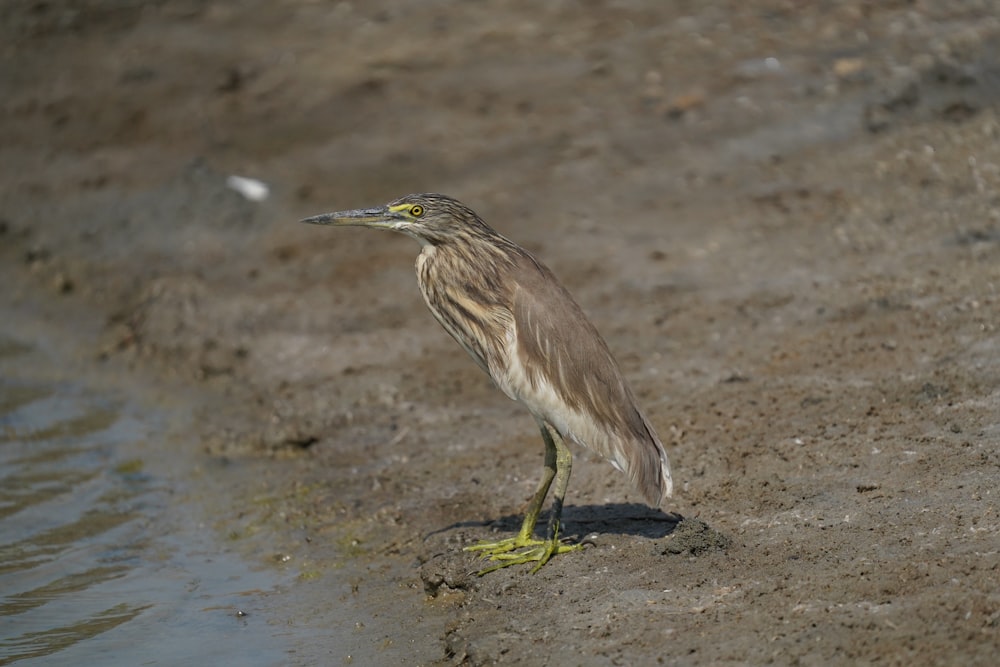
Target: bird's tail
pixel 650 470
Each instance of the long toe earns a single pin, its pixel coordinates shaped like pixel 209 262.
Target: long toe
pixel 501 547
pixel 539 553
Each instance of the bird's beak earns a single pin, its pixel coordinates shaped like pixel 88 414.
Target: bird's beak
pixel 359 217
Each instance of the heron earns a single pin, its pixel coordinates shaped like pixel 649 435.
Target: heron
pixel 522 327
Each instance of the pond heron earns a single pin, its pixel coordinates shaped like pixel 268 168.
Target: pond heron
pixel 521 326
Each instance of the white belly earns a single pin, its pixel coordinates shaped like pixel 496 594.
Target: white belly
pixel 545 403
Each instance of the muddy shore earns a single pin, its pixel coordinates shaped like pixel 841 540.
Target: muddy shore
pixel 784 218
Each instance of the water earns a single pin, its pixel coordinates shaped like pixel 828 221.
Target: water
pixel 104 557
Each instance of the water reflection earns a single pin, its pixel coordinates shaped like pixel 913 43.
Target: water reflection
pixel 101 560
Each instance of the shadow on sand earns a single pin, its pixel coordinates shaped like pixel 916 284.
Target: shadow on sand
pixel 579 521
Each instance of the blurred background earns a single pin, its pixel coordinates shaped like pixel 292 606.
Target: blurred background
pixel 784 217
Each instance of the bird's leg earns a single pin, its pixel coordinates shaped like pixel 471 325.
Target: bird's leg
pixel 564 466
pixel 525 536
pixel 558 465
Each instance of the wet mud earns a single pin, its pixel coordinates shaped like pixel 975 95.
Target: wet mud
pixel 783 217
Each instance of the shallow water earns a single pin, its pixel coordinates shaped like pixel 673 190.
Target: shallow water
pixel 104 559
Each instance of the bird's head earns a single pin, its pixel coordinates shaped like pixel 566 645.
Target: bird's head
pixel 430 218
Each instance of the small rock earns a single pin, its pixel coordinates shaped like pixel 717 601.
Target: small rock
pixel 62 283
pixel 685 103
pixel 849 69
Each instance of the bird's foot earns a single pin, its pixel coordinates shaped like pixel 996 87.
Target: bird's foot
pixel 504 553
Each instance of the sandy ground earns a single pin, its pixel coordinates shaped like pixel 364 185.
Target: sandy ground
pixel 783 216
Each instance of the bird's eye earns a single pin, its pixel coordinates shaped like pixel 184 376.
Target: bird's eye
pixel 417 210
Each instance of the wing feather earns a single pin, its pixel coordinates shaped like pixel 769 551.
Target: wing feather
pixel 522 327
pixel 575 384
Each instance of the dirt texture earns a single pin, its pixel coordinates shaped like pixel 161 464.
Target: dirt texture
pixel 784 217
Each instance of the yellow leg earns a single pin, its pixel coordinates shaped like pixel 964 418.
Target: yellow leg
pixel 558 466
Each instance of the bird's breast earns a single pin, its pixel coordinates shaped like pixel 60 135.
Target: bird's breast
pixel 450 294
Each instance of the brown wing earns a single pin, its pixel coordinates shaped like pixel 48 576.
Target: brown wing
pixel 559 348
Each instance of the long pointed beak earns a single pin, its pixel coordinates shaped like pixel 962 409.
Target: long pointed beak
pixel 360 217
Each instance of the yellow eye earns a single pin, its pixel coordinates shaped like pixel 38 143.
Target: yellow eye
pixel 416 210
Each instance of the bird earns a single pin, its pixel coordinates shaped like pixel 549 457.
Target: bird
pixel 519 324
